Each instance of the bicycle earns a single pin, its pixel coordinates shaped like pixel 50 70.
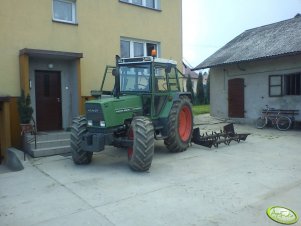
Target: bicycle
pixel 282 122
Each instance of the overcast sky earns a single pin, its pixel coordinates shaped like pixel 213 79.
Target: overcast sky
pixel 210 24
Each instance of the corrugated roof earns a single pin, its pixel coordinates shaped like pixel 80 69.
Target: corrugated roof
pixel 269 41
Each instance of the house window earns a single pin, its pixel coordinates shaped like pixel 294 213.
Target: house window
pixel 137 48
pixel 280 85
pixel 153 4
pixel 64 11
pixel 292 84
pixel 125 48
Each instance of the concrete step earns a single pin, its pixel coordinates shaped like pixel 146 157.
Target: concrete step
pixel 50 143
pixel 42 152
pixel 47 143
pixel 46 136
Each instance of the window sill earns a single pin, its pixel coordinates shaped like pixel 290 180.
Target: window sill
pixel 140 6
pixel 64 22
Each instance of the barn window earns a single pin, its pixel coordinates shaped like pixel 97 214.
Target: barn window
pixel 285 85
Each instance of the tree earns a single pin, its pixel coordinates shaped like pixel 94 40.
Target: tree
pixel 189 87
pixel 208 90
pixel 200 94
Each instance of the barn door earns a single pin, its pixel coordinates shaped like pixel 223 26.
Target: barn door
pixel 236 98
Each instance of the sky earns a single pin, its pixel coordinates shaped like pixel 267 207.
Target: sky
pixel 210 24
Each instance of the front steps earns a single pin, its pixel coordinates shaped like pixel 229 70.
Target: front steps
pixel 47 143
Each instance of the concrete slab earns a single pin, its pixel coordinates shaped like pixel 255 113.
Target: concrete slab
pixel 231 185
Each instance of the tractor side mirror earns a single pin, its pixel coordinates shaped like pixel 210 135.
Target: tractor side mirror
pixel 168 68
pixel 114 72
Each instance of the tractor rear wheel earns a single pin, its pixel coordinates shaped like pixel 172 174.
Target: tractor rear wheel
pixel 140 155
pixel 78 129
pixel 180 125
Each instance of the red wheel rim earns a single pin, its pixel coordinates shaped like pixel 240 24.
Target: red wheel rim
pixel 131 137
pixel 185 123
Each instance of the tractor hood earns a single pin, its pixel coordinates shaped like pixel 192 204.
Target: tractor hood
pixel 112 112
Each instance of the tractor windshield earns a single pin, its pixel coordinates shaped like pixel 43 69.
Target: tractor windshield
pixel 135 78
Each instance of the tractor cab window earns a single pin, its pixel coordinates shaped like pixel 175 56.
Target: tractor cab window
pixel 135 78
pixel 165 78
pixel 160 79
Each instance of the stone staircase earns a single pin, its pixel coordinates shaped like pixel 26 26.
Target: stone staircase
pixel 47 143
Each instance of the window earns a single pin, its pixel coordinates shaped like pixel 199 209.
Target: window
pixel 137 48
pixel 153 4
pixel 135 78
pixel 125 48
pixel 292 84
pixel 275 83
pixel 64 11
pixel 280 85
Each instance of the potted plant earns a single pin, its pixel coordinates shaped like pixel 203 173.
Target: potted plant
pixel 25 112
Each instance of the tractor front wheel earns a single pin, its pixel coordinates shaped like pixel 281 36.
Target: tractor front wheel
pixel 140 155
pixel 180 125
pixel 78 129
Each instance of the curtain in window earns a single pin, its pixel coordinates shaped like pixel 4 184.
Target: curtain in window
pixel 62 10
pixel 125 49
pixel 138 49
pixel 150 3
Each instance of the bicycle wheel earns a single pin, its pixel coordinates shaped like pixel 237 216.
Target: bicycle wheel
pixel 283 123
pixel 261 122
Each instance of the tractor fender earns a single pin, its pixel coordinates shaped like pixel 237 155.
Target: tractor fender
pixel 180 95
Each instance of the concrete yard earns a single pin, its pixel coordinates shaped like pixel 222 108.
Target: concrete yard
pixel 231 185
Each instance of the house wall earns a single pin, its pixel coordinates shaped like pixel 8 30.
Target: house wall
pixel 256 80
pixel 101 24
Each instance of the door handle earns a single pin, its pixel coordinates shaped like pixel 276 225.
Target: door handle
pixel 58 100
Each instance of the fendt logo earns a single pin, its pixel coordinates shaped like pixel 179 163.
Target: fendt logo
pixel 282 215
pixel 93 110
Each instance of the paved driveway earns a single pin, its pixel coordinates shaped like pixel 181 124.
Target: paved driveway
pixel 231 185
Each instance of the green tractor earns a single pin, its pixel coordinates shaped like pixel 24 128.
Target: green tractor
pixel 145 104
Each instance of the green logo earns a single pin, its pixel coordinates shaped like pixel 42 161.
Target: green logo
pixel 282 215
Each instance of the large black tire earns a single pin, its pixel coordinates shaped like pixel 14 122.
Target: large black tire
pixel 140 156
pixel 180 125
pixel 78 129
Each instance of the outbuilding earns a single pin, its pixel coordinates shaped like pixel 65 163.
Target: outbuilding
pixel 261 66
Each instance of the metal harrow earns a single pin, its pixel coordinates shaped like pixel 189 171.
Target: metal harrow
pixel 215 138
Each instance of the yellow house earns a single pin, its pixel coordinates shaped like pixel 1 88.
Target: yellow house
pixel 57 50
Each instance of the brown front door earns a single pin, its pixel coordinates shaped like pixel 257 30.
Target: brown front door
pixel 48 100
pixel 236 98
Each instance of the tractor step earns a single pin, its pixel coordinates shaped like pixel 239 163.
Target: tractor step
pixel 215 138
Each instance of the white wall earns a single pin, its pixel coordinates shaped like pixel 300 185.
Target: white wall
pixel 256 76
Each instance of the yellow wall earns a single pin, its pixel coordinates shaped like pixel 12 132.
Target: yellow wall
pixel 101 23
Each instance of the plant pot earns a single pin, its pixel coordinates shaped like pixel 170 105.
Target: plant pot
pixel 26 128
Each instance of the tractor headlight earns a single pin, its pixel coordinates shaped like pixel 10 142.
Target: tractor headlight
pixel 90 123
pixel 102 124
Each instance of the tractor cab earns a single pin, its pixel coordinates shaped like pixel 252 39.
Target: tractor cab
pixel 153 79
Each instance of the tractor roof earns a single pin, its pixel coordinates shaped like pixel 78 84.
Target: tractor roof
pixel 146 59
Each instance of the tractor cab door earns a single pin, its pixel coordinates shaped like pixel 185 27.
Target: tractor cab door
pixel 165 81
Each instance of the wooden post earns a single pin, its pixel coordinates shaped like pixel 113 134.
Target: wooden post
pixel 5 135
pixel 24 73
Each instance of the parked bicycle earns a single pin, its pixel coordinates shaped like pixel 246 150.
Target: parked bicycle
pixel 273 116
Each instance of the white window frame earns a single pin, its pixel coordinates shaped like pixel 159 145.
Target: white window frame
pixel 156 2
pixel 144 42
pixel 73 4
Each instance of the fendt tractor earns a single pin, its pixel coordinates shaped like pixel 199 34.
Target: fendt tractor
pixel 145 104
